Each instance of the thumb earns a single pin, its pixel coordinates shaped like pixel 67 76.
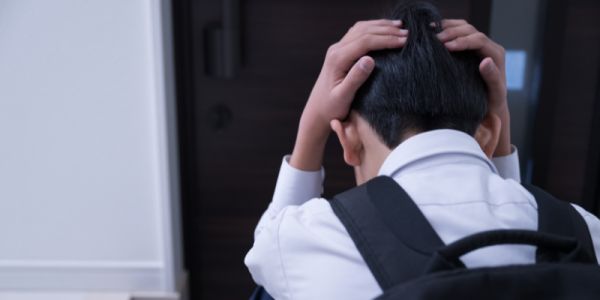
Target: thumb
pixel 358 74
pixel 492 76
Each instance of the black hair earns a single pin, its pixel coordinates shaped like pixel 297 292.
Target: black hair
pixel 422 86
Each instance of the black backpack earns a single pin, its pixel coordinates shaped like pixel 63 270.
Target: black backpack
pixel 409 260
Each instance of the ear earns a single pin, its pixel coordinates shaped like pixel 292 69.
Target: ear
pixel 349 138
pixel 488 134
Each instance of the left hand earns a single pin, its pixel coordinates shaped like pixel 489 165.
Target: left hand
pixel 458 35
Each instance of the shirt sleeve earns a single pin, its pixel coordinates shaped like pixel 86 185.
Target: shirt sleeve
pixel 264 261
pixel 508 166
pixel 302 251
pixel 294 187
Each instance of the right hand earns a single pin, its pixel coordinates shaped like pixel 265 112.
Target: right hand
pixel 345 69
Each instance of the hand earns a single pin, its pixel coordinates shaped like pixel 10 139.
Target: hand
pixel 345 69
pixel 458 35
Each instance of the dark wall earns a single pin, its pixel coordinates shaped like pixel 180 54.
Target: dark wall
pixel 566 148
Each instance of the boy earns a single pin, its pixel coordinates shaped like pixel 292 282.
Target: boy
pixel 416 112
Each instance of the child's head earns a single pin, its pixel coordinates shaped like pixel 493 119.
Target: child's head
pixel 422 86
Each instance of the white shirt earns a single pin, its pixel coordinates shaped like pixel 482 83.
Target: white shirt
pixel 302 251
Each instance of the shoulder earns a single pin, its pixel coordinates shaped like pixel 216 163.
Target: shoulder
pixel 296 230
pixel 311 224
pixel 306 245
pixel 315 249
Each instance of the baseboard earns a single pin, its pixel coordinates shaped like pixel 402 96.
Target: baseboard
pixel 62 296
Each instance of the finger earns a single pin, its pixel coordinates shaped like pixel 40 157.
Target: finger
pixel 476 41
pixel 480 43
pixel 452 33
pixel 360 26
pixel 377 30
pixel 452 23
pixel 344 55
pixel 358 74
pixel 379 22
pixel 386 30
pixel 493 78
pixel 374 27
pixel 368 43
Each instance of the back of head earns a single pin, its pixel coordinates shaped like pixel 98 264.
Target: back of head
pixel 422 86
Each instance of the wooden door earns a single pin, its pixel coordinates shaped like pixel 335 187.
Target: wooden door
pixel 567 137
pixel 234 132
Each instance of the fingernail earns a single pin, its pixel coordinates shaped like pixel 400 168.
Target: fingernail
pixel 403 31
pixel 397 22
pixel 450 44
pixel 366 64
pixel 487 66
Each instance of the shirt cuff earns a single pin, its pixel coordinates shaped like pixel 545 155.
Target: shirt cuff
pixel 508 166
pixel 294 186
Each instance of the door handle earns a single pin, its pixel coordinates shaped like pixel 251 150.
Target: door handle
pixel 223 42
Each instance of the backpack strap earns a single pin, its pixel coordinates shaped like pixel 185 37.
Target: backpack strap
pixel 560 218
pixel 382 221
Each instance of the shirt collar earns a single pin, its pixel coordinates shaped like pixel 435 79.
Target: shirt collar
pixel 433 144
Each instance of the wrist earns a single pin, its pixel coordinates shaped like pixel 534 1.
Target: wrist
pixel 308 153
pixel 503 149
pixel 310 144
pixel 313 127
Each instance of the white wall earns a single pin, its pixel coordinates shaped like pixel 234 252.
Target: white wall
pixel 86 187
